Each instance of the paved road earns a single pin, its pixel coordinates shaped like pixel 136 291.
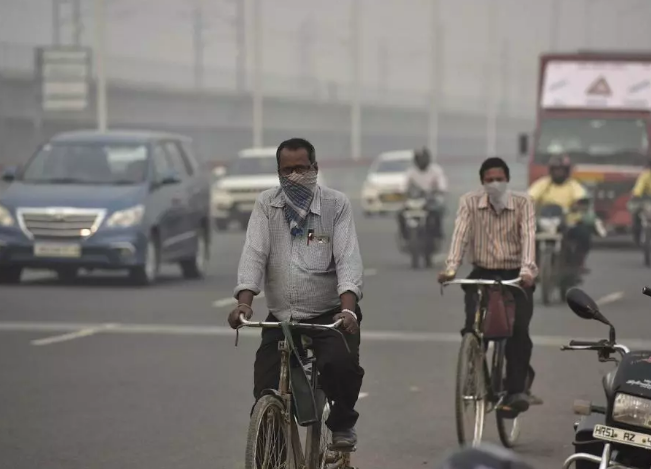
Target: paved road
pixel 162 385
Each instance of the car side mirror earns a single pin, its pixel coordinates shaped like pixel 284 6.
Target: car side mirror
pixel 170 177
pixel 9 174
pixel 584 306
pixel 523 145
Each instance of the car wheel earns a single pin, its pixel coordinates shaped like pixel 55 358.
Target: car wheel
pixel 196 267
pixel 221 225
pixel 147 274
pixel 67 274
pixel 10 275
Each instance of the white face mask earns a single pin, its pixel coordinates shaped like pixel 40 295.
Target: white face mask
pixel 496 191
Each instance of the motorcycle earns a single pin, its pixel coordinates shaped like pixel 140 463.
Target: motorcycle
pixel 421 224
pixel 643 210
pixel 619 433
pixel 549 245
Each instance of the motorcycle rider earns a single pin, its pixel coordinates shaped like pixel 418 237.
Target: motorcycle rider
pixel 641 189
pixel 559 188
pixel 430 178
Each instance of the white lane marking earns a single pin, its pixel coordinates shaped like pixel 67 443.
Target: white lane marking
pixel 73 335
pixel 199 330
pixel 362 395
pixel 230 301
pixel 414 389
pixel 370 272
pixel 610 298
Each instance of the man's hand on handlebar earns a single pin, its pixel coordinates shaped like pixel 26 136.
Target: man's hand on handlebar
pixel 446 276
pixel 234 316
pixel 349 323
pixel 527 280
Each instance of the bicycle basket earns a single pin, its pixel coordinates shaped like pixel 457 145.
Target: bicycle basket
pixel 500 314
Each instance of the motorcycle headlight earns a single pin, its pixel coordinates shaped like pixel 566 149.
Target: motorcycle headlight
pixel 549 225
pixel 126 218
pixel 6 219
pixel 632 410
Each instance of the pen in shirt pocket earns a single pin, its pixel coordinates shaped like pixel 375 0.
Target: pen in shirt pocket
pixel 310 235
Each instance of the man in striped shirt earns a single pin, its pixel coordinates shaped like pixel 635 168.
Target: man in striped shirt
pixel 301 240
pixel 500 228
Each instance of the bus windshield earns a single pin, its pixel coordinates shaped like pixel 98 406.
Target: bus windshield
pixel 594 141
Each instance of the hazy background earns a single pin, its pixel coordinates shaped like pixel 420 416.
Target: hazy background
pixel 307 55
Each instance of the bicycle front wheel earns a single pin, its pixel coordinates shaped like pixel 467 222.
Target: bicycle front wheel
pixel 319 435
pixel 470 391
pixel 266 444
pixel 507 429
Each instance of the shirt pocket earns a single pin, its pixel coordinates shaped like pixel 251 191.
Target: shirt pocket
pixel 316 257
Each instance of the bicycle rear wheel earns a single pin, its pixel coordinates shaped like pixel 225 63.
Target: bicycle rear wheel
pixel 507 429
pixel 266 444
pixel 470 394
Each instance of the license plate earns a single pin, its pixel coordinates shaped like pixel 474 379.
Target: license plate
pixel 415 213
pixel 626 437
pixel 245 207
pixel 392 197
pixel 57 250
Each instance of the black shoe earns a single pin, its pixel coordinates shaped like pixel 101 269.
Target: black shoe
pixel 344 439
pixel 513 405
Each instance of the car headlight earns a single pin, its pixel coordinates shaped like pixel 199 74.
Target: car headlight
pixel 549 225
pixel 126 218
pixel 632 410
pixel 6 219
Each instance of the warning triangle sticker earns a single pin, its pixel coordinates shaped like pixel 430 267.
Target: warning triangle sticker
pixel 600 87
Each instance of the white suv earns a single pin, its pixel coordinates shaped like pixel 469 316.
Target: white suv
pixel 233 196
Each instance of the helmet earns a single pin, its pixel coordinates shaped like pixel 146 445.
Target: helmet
pixel 560 161
pixel 484 456
pixel 422 157
pixel 560 168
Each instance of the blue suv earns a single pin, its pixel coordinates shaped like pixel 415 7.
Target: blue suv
pixel 113 200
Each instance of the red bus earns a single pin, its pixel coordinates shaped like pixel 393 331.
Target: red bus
pixel 596 108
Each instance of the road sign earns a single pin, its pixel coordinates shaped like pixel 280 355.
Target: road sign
pixel 64 75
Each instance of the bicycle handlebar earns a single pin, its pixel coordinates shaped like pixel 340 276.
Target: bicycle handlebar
pixel 481 281
pixel 296 325
pixel 265 324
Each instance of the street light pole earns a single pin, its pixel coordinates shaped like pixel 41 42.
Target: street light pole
pixel 555 26
pixel 100 72
pixel 197 44
pixel 76 21
pixel 56 22
pixel 355 108
pixel 491 111
pixel 257 75
pixel 436 49
pixel 587 28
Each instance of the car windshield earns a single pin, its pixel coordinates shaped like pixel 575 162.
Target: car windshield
pixel 251 166
pixel 88 163
pixel 594 141
pixel 392 166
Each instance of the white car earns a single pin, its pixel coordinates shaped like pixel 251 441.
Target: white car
pixel 386 183
pixel 233 195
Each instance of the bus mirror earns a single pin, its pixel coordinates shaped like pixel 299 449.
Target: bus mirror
pixel 523 145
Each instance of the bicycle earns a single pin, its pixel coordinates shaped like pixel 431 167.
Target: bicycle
pixel 473 370
pixel 274 417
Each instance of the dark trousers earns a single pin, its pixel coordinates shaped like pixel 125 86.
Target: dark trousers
pixel 519 373
pixel 340 373
pixel 581 236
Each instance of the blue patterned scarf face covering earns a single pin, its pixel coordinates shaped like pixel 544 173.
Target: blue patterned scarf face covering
pixel 299 192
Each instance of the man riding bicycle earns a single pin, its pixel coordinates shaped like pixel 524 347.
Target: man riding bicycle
pixel 301 239
pixel 500 227
pixel 428 177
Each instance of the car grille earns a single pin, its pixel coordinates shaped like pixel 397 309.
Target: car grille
pixel 59 225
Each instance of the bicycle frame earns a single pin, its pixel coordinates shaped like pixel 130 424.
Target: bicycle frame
pixel 297 458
